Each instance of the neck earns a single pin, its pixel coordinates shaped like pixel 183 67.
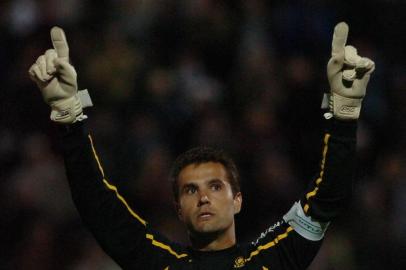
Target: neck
pixel 213 241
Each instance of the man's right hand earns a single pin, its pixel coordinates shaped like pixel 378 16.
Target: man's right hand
pixel 57 80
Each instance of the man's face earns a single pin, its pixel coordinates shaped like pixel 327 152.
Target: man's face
pixel 206 201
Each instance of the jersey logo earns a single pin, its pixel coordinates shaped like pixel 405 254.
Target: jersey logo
pixel 269 230
pixel 239 262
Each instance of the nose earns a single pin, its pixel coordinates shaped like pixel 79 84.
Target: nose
pixel 204 199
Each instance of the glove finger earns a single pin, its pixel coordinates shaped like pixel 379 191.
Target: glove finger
pixel 42 67
pixel 339 40
pixel 35 73
pixel 351 56
pixel 50 55
pixel 334 66
pixel 31 72
pixel 360 86
pixel 59 42
pixel 349 75
pixel 336 62
pixel 65 70
pixel 63 67
pixel 364 66
pixel 371 68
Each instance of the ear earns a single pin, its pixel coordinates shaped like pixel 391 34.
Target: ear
pixel 237 203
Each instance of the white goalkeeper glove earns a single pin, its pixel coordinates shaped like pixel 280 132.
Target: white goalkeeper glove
pixel 57 80
pixel 348 75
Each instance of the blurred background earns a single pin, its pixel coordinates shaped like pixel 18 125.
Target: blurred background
pixel 245 76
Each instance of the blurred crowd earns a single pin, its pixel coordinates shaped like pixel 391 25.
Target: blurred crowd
pixel 166 75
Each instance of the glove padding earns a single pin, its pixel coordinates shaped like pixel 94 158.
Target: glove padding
pixel 348 75
pixel 57 80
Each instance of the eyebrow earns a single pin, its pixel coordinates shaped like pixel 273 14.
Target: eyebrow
pixel 215 181
pixel 210 182
pixel 189 185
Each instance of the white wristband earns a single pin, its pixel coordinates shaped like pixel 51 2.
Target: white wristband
pixel 306 226
pixel 85 98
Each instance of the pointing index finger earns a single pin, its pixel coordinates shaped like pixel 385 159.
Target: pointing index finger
pixel 339 39
pixel 59 42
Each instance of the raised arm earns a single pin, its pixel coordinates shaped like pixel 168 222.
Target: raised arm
pixel 330 191
pixel 293 242
pixel 120 231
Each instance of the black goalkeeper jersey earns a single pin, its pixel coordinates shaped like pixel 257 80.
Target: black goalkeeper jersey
pixel 129 240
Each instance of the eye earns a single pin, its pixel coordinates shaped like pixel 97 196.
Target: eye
pixel 216 187
pixel 190 190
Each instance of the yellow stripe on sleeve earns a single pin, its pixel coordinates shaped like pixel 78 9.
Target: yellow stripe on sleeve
pixel 270 244
pixel 320 178
pixel 121 198
pixel 95 156
pixel 112 187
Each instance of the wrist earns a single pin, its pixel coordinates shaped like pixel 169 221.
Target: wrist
pixel 340 107
pixel 70 110
pixel 345 108
pixel 341 128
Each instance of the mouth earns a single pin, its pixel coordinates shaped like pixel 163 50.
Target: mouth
pixel 205 215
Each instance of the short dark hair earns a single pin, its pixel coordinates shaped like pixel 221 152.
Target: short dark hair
pixel 199 155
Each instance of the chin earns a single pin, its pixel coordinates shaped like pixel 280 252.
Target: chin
pixel 205 229
pixel 209 229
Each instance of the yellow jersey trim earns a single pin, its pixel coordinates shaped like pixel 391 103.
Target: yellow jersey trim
pixel 112 187
pixel 320 178
pixel 121 198
pixel 270 244
pixel 164 246
pixel 96 156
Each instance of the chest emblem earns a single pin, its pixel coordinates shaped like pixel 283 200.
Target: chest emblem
pixel 239 262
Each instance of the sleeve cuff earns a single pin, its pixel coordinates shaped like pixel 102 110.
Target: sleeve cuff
pixel 342 128
pixel 72 134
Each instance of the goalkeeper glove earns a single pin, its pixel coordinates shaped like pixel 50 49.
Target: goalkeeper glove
pixel 348 75
pixel 57 80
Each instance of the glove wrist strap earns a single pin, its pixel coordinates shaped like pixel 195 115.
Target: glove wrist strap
pixel 345 108
pixel 70 110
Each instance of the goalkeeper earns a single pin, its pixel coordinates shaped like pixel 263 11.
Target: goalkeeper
pixel 206 181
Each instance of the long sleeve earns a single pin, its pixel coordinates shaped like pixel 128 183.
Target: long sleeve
pixel 293 242
pixel 281 247
pixel 331 189
pixel 120 231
